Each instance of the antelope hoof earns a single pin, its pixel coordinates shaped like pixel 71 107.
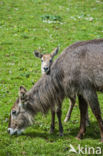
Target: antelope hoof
pixel 79 136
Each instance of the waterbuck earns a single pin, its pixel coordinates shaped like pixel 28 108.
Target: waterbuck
pixel 77 71
pixel 46 62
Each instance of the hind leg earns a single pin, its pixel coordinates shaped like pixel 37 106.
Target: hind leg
pixel 72 103
pixel 92 99
pixel 59 114
pixel 52 127
pixel 87 119
pixel 83 111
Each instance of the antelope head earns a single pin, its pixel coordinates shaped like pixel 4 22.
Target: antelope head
pixel 20 118
pixel 46 60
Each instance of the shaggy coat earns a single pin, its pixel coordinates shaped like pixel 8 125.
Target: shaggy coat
pixel 77 71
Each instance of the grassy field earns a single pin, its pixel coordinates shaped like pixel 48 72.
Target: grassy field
pixel 26 25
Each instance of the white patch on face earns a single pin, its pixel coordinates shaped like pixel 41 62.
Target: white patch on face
pixel 15 131
pixel 12 131
pixel 42 70
pixel 45 64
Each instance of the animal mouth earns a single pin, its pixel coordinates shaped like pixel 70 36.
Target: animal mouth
pixel 12 131
pixel 46 69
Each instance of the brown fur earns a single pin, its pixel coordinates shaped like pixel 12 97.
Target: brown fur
pixel 77 71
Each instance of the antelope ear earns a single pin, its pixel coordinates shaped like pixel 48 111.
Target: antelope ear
pixel 55 51
pixel 38 54
pixel 22 91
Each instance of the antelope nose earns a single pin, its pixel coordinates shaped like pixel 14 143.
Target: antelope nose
pixel 46 69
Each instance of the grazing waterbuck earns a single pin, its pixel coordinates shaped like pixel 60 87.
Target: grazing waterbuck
pixel 46 62
pixel 77 71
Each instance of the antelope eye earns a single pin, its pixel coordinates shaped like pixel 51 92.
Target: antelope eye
pixel 14 112
pixel 41 60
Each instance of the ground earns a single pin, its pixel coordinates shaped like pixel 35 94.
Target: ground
pixel 28 25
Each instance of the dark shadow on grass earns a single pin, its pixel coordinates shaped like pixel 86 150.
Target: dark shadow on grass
pixel 45 135
pixel 91 132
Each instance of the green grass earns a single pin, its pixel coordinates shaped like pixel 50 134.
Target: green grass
pixel 27 25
